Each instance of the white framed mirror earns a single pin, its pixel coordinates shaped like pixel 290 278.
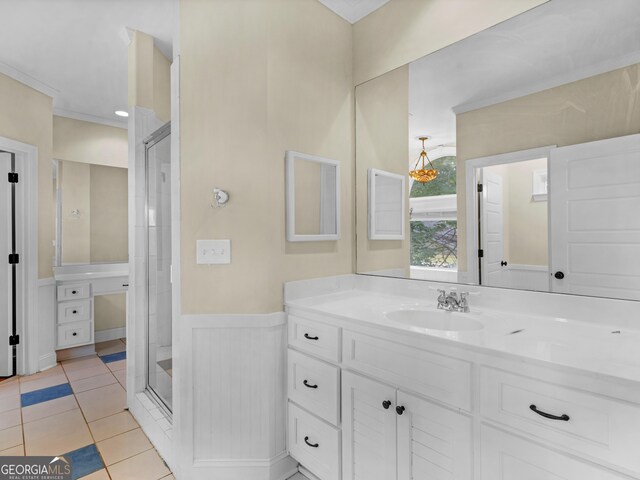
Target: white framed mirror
pixel 386 205
pixel 312 198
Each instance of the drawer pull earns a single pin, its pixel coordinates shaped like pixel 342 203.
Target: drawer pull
pixel 306 335
pixel 74 292
pixel 306 384
pixel 400 410
pixel 313 445
pixel 74 333
pixel 74 312
pixel 562 418
pixel 386 404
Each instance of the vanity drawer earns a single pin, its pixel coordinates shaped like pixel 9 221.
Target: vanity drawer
pixel 507 457
pixel 74 311
pixel 314 337
pixel 74 292
pixel 71 334
pixel 600 427
pixel 314 443
pixel 433 375
pixel 314 385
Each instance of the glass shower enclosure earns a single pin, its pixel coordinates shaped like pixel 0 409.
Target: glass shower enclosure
pixel 159 308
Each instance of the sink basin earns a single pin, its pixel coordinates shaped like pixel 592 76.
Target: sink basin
pixel 434 320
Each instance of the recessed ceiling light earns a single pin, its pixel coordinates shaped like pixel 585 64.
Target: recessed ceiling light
pixel 122 113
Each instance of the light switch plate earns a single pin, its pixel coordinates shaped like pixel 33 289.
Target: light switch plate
pixel 213 252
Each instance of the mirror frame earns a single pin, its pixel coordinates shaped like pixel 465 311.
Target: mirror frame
pixel 373 235
pixel 290 158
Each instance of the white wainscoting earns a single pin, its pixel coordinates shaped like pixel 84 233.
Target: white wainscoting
pixel 230 378
pixel 47 307
pixel 527 277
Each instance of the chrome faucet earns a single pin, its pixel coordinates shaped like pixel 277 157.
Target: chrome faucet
pixel 451 303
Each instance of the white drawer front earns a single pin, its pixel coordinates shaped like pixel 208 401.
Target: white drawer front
pixel 314 385
pixel 442 378
pixel 71 334
pixel 598 426
pixel 507 457
pixel 315 337
pixel 314 443
pixel 74 311
pixel 74 292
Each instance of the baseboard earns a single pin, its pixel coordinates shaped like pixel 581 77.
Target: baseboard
pixel 306 473
pixel 76 352
pixel 282 467
pixel 48 361
pixel 111 334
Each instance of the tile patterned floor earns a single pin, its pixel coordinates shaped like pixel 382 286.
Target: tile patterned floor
pixel 78 409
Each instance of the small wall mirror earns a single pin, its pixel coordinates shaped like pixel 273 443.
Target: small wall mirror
pixel 386 205
pixel 313 198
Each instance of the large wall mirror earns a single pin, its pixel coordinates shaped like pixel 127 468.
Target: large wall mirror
pixel 520 146
pixel 91 213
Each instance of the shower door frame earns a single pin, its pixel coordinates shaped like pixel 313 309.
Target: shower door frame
pixel 156 137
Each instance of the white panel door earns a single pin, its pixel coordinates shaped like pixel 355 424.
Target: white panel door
pixel 594 202
pixel 492 229
pixel 6 357
pixel 368 429
pixel 433 442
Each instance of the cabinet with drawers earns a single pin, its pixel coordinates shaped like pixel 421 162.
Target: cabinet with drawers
pixel 364 403
pixel 75 315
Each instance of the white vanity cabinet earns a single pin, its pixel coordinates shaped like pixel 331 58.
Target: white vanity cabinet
pixel 75 315
pixel 370 403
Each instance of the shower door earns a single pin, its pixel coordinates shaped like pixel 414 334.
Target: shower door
pixel 159 319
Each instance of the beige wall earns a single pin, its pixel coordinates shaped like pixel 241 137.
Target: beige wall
pixel 149 76
pixel 110 311
pixel 27 117
pixel 109 224
pixel 595 108
pixel 89 142
pixel 75 183
pixel 382 141
pixel 404 30
pixel 259 78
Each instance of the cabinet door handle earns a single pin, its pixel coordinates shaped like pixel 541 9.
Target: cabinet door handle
pixel 400 409
pixel 313 445
pixel 74 292
pixel 74 333
pixel 386 404
pixel 306 384
pixel 306 335
pixel 562 418
pixel 74 312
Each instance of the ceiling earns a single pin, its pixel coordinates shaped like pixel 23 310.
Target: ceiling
pixel 353 10
pixel 556 43
pixel 76 50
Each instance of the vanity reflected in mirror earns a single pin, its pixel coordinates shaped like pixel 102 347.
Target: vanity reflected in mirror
pixel 91 213
pixel 313 198
pixel 521 150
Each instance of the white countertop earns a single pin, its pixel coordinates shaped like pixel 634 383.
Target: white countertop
pixel 587 346
pixel 87 272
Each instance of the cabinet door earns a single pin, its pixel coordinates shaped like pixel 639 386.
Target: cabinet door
pixel 508 457
pixel 368 429
pixel 433 442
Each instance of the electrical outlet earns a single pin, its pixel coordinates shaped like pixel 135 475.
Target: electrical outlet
pixel 213 252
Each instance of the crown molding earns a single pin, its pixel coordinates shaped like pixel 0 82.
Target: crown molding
pixel 85 117
pixel 28 80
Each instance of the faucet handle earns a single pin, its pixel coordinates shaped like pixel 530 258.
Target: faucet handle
pixel 463 304
pixel 443 295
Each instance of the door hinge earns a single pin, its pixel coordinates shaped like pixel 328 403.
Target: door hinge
pixel 13 177
pixel 14 258
pixel 480 188
pixel 480 253
pixel 14 340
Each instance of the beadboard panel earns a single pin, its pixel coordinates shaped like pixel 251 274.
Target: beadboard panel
pixel 46 323
pixel 234 397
